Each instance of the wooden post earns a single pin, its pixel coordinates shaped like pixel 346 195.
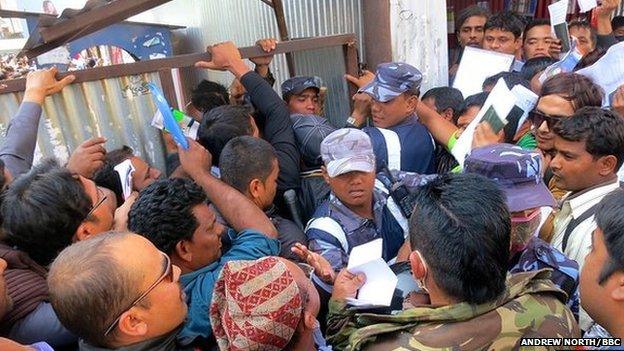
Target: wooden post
pixel 278 8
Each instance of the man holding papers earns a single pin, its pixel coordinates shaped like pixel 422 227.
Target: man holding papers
pixel 360 208
pixel 459 255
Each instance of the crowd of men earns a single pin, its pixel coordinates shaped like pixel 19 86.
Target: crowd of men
pixel 243 241
pixel 12 67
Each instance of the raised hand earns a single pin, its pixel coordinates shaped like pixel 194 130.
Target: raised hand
pixel 347 284
pixel 484 136
pixel 321 266
pixel 362 80
pixel 88 157
pixel 225 57
pixel 42 83
pixel 267 46
pixel 196 160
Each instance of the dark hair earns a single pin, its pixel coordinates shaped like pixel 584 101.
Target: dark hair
pixel 413 91
pixel 477 99
pixel 535 23
pixel 42 210
pixel 89 288
pixel 107 177
pixel 3 180
pixel 584 24
pixel 462 227
pixel 244 159
pixel 590 58
pixel 163 212
pixel 445 97
pixel 617 22
pixel 506 21
pixel 601 130
pixel 534 66
pixel 610 219
pixel 470 11
pixel 208 95
pixel 511 79
pixel 577 89
pixel 221 125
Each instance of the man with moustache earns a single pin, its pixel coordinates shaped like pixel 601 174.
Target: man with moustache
pixel 589 151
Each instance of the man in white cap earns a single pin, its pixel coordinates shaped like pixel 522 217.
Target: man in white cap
pixel 360 208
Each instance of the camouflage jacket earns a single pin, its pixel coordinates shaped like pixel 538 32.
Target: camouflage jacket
pixel 565 275
pixel 531 306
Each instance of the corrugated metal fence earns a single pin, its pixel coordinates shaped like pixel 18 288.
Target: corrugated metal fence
pixel 245 21
pixel 116 108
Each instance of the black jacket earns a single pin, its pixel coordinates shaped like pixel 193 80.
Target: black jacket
pixel 274 115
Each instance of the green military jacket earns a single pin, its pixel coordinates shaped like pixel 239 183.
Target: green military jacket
pixel 531 306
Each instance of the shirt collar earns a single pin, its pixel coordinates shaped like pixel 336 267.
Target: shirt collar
pixel 581 201
pixel 350 220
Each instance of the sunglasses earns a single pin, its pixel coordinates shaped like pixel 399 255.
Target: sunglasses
pixel 167 273
pixel 537 118
pixel 102 197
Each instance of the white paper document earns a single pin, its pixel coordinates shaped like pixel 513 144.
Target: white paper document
pixel 586 5
pixel 380 280
pixel 558 12
pixel 566 64
pixel 526 100
pixel 608 72
pixel 125 171
pixel 476 66
pixel 495 110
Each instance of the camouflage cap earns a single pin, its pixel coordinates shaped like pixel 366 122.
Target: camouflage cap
pixel 347 150
pixel 517 171
pixel 296 85
pixel 391 80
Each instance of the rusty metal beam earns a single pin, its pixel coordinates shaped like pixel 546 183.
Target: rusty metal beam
pixel 166 83
pixel 188 60
pixel 26 14
pixel 377 40
pixel 278 9
pixel 351 64
pixel 20 14
pixel 268 2
pixel 97 18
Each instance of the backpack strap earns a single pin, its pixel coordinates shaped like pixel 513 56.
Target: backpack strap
pixel 329 225
pixel 393 148
pixel 393 207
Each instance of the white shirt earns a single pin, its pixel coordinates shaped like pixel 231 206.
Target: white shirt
pixel 579 241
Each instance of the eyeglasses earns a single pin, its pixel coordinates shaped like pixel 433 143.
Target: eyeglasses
pixel 167 273
pixel 102 197
pixel 537 118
